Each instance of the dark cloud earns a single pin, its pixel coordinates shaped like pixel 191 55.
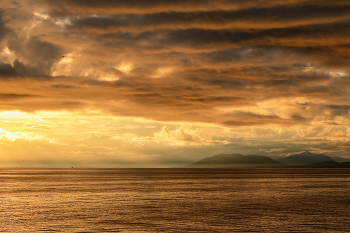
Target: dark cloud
pixel 7 70
pixel 240 118
pixel 72 103
pixel 18 69
pixel 26 70
pixel 232 63
pixel 14 96
pixel 217 99
pixel 137 6
pixel 3 29
pixel 328 34
pixel 338 110
pixel 278 16
pixel 297 117
pixel 38 55
pixel 57 86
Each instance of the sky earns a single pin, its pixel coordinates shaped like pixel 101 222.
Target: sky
pixel 136 83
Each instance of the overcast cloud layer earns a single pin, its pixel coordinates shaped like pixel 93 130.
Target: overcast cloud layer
pixel 271 77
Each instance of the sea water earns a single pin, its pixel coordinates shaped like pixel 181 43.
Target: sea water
pixel 175 200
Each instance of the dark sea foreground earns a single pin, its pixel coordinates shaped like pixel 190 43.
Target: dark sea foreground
pixel 175 200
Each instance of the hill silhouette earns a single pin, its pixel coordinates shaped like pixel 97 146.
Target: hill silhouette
pixel 235 160
pixel 305 158
pixel 302 160
pixel 339 159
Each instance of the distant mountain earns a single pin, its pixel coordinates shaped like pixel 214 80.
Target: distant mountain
pixel 339 159
pixel 327 162
pixel 305 158
pixel 235 160
pixel 302 160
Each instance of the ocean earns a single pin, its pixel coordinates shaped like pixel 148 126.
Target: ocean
pixel 175 200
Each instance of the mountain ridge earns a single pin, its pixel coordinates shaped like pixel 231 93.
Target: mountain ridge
pixel 305 159
pixel 234 160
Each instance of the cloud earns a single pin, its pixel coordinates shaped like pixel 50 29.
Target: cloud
pixel 279 67
pixel 6 70
pixel 179 135
pixel 3 29
pixel 277 16
pixel 24 135
pixel 140 7
pixel 36 126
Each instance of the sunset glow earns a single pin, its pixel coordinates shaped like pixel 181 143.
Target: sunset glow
pixel 159 84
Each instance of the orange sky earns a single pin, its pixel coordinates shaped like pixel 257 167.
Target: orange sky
pixel 161 84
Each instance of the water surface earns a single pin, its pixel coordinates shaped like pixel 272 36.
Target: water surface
pixel 175 200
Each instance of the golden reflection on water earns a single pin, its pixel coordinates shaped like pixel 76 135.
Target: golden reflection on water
pixel 175 200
